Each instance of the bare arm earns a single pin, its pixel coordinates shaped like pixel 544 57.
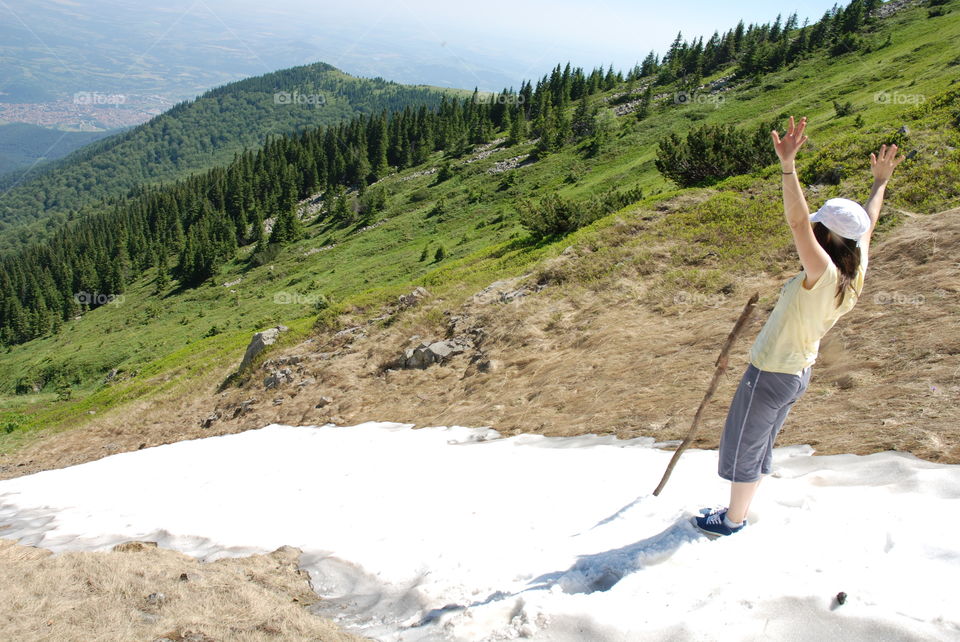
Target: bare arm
pixel 882 169
pixel 813 257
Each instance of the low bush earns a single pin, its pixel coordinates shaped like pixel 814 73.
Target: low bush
pixel 713 152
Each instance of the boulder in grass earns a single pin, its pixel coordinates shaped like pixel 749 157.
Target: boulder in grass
pixel 413 298
pixel 428 353
pixel 260 341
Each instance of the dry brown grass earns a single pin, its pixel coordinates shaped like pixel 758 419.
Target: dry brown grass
pixel 603 349
pixel 116 596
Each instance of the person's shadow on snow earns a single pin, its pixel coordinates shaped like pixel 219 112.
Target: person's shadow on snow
pixel 601 571
pixel 598 571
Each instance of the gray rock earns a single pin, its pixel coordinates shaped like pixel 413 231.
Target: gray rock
pixel 506 297
pixel 324 401
pixel 350 333
pixel 206 423
pixel 488 365
pixel 156 599
pixel 260 341
pixel 278 377
pixel 445 349
pixel 243 408
pixel 419 357
pixel 407 300
pixel 286 360
pixel 428 353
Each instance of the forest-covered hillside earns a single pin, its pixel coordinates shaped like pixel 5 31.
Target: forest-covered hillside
pixel 190 137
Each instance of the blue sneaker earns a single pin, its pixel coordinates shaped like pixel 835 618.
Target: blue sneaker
pixel 713 524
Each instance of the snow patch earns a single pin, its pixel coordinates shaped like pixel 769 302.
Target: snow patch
pixel 457 533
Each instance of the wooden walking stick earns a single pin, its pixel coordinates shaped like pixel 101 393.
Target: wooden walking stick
pixel 721 368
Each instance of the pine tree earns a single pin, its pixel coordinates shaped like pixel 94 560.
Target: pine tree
pixel 518 129
pixel 582 124
pixel 342 211
pixel 162 280
pixel 378 148
pixel 286 227
pixel 645 103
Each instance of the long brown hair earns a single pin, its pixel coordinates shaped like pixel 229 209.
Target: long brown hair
pixel 844 253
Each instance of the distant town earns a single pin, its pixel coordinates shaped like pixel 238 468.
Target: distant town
pixel 87 111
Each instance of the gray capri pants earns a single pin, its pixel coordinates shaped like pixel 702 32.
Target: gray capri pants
pixel 759 407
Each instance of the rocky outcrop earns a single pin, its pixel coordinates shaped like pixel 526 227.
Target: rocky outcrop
pixel 260 341
pixel 506 290
pixel 428 353
pixel 510 163
pixel 413 298
pixel 278 377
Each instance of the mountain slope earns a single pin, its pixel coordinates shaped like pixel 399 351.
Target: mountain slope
pixel 192 136
pixel 704 245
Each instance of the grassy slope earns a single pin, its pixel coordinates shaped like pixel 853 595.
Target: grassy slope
pixel 725 226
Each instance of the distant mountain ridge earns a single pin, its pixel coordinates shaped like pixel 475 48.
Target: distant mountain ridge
pixel 193 136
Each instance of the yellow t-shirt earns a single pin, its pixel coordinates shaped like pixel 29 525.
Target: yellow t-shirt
pixel 790 339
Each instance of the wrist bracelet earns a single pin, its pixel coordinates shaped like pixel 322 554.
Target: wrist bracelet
pixel 785 173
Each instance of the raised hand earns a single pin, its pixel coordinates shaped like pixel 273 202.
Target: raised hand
pixel 883 166
pixel 791 142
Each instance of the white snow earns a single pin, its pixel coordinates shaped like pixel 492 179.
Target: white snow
pixel 457 533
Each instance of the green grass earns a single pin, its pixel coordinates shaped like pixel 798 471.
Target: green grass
pixel 734 227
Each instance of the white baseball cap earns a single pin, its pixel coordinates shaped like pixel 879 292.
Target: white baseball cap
pixel 844 217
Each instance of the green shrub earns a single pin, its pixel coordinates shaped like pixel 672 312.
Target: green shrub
pixel 713 152
pixel 843 109
pixel 267 255
pixel 845 44
pixel 321 302
pixel 553 216
pixel 444 173
pixel 439 208
pixel 420 194
pixel 63 390
pixel 556 216
pixel 929 187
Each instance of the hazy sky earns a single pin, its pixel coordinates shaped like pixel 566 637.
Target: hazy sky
pixel 179 48
pixel 534 35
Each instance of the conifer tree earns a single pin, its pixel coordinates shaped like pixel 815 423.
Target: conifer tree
pixel 162 281
pixel 286 227
pixel 518 129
